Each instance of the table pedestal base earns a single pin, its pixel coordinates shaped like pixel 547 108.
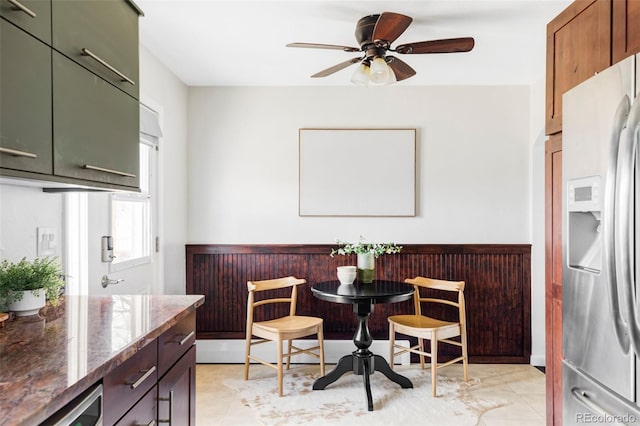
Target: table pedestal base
pixel 363 364
pixel 362 361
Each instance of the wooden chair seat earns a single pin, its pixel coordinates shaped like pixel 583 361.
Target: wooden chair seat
pixel 422 326
pixel 291 327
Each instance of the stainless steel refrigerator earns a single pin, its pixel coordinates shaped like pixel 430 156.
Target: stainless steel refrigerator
pixel 601 208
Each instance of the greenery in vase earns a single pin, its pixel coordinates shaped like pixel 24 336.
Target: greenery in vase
pixel 361 247
pixel 42 273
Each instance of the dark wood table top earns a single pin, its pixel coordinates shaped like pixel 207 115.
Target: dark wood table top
pixel 379 291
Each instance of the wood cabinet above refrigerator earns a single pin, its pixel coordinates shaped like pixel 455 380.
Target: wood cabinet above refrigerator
pixel 578 45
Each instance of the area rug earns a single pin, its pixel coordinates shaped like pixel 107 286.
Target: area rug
pixel 344 401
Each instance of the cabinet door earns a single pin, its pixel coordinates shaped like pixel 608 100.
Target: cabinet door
pixel 33 16
pixel 129 382
pixel 143 413
pixel 578 46
pixel 553 278
pixel 177 392
pixel 106 29
pixel 626 28
pixel 95 127
pixel 25 104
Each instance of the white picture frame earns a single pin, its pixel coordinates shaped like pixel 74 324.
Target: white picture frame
pixel 357 172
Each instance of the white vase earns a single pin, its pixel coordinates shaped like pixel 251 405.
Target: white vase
pixel 366 267
pixel 30 303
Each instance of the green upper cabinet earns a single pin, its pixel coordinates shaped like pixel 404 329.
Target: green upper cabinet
pixel 95 127
pixel 33 16
pixel 69 110
pixel 25 101
pixel 102 36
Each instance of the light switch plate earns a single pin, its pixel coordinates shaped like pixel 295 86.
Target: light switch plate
pixel 47 241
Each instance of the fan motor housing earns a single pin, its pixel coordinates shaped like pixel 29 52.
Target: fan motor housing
pixel 364 30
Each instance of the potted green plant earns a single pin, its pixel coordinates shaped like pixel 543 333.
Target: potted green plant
pixel 26 285
pixel 366 255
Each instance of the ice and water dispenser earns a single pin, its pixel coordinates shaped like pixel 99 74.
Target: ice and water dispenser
pixel 584 239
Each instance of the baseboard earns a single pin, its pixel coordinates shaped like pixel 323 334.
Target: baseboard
pixel 231 351
pixel 537 360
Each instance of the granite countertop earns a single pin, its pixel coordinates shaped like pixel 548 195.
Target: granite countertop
pixel 47 360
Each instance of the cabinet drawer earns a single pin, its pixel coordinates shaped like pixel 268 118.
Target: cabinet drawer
pixel 125 385
pixel 173 343
pixel 100 35
pixel 177 392
pixel 25 104
pixel 33 16
pixel 144 412
pixel 95 127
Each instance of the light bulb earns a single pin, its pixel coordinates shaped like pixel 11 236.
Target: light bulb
pixel 361 75
pixel 379 71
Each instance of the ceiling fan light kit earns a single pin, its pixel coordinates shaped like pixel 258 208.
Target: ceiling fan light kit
pixel 379 71
pixel 375 33
pixel 361 74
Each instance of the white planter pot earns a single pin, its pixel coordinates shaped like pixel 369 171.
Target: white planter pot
pixel 30 304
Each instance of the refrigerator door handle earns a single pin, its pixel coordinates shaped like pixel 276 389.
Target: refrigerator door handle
pixel 609 221
pixel 583 398
pixel 623 221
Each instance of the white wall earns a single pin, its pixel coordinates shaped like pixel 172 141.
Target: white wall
pixel 473 162
pixel 161 90
pixel 22 210
pixel 537 136
pixel 480 171
pixel 480 167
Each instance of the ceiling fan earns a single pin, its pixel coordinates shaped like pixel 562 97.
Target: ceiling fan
pixel 375 33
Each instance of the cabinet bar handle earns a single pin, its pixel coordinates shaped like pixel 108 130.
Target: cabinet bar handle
pixel 170 399
pixel 17 153
pixel 19 6
pixel 186 338
pixel 102 169
pixel 87 52
pixel 144 377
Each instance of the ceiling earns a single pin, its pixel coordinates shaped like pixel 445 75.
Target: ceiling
pixel 242 43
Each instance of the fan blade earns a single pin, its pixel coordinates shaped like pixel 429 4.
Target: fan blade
pixel 389 26
pixel 400 68
pixel 335 68
pixel 325 46
pixel 450 45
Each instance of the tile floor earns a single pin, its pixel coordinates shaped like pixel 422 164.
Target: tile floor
pixel 522 385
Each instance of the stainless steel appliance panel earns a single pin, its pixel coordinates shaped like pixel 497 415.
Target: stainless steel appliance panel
pixel 588 402
pixel 592 114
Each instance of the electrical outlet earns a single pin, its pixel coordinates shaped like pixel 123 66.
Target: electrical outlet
pixel 47 241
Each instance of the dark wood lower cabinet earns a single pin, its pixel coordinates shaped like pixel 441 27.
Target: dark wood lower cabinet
pixel 157 385
pixel 143 413
pixel 177 392
pixel 128 383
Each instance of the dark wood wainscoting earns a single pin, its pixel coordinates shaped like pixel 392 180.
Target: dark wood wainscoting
pixel 497 292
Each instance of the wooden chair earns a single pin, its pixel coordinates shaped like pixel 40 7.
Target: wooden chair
pixel 433 329
pixel 285 328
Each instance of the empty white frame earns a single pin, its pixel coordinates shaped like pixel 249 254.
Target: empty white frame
pixel 357 172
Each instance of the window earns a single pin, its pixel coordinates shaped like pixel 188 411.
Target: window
pixel 131 213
